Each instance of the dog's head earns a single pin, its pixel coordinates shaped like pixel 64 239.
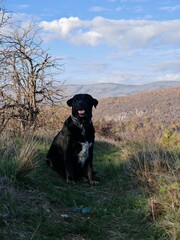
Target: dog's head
pixel 82 105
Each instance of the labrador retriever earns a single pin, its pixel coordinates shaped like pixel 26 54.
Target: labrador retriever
pixel 71 152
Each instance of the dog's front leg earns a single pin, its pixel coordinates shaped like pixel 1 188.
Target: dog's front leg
pixel 90 172
pixel 68 168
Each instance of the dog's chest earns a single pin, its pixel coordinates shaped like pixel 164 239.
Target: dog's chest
pixel 84 153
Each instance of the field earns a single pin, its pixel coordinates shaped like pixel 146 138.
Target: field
pixel 138 196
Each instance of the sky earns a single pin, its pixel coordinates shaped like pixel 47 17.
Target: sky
pixel 108 41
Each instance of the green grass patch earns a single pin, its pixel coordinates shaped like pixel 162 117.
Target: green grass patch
pixel 40 205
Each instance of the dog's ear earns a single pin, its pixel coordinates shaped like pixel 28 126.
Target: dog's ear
pixel 69 102
pixel 95 102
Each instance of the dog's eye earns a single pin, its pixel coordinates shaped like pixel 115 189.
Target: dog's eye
pixel 77 100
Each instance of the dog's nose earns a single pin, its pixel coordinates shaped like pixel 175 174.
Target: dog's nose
pixel 81 104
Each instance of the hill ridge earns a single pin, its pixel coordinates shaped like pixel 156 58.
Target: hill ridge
pixel 103 90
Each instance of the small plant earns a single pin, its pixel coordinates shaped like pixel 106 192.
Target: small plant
pixel 168 139
pixel 27 158
pixel 171 191
pixel 18 156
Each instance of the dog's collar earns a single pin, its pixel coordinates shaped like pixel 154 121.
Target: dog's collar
pixel 77 123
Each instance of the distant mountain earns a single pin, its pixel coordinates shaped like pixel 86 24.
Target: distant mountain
pixel 104 90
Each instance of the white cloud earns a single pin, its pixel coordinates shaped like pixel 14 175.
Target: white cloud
pixel 91 38
pixel 171 8
pixel 170 66
pixel 112 0
pixel 118 9
pixel 23 6
pixel 125 34
pixel 63 26
pixel 168 77
pixel 72 29
pixel 98 9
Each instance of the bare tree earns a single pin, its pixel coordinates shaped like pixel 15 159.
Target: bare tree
pixel 4 17
pixel 27 74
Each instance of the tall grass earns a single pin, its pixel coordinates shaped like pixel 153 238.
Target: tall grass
pixel 158 170
pixel 19 156
pixel 154 167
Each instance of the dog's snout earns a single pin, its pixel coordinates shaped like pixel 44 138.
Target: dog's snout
pixel 81 105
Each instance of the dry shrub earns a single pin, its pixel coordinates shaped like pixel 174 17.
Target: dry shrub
pixel 19 156
pixel 137 129
pixel 27 158
pixel 52 118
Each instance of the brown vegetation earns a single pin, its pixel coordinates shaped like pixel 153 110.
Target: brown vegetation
pixel 140 116
pixel 26 77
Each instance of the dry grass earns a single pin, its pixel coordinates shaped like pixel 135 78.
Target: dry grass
pixel 19 156
pixel 158 170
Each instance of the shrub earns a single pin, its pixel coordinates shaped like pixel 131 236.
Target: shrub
pixel 18 156
pixel 169 138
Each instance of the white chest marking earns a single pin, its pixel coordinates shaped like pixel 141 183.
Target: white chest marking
pixel 84 153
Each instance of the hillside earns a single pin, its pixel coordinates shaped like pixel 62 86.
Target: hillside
pixel 139 116
pixel 104 90
pixel 163 104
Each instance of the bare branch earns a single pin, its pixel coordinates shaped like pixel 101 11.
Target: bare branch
pixel 26 77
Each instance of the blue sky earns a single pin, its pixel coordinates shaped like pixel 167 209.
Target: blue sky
pixel 101 41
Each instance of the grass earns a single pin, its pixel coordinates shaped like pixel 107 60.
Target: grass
pixel 158 170
pixel 37 204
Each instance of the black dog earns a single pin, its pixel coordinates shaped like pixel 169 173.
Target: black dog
pixel 71 152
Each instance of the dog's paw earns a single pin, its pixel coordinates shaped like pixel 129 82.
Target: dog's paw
pixel 84 179
pixel 93 182
pixel 70 182
pixel 95 178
